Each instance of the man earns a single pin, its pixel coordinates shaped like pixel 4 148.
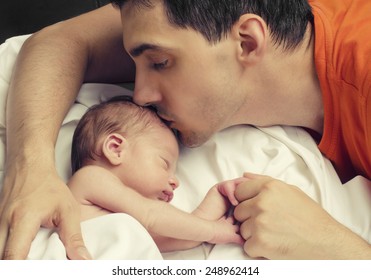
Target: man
pixel 261 62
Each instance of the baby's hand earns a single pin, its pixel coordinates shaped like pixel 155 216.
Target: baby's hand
pixel 227 189
pixel 218 200
pixel 225 231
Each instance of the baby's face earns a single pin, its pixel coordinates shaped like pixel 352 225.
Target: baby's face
pixel 151 170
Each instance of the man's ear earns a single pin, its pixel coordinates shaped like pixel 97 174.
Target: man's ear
pixel 251 33
pixel 113 147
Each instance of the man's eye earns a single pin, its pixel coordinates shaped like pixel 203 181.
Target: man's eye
pixel 161 65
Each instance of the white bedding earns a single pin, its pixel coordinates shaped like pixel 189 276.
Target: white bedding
pixel 286 153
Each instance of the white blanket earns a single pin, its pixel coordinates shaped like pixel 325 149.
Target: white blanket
pixel 286 153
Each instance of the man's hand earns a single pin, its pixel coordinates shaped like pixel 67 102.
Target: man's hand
pixel 279 221
pixel 32 198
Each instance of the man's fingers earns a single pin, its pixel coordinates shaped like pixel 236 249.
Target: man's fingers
pixel 249 175
pixel 247 190
pixel 19 237
pixel 243 211
pixel 3 222
pixel 251 188
pixel 247 193
pixel 3 237
pixel 245 229
pixel 71 237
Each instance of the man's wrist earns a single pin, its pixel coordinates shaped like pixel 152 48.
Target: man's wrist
pixel 42 154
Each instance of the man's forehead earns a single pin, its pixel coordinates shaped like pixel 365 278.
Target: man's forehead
pixel 145 31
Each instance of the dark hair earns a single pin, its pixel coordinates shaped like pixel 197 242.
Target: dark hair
pixel 120 115
pixel 287 20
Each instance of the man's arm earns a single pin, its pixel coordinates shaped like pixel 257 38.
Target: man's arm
pixel 100 187
pixel 49 71
pixel 279 221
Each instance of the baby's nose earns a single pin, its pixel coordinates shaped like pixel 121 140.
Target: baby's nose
pixel 174 182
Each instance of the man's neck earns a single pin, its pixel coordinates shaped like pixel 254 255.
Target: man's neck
pixel 305 92
pixel 286 90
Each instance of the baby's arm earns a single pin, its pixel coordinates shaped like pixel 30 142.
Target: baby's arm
pixel 100 187
pixel 224 232
pixel 214 207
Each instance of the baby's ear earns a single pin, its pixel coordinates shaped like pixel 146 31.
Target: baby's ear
pixel 113 147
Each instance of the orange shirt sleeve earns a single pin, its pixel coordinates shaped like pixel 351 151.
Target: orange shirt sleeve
pixel 343 63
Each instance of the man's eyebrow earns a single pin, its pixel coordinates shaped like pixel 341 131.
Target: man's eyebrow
pixel 137 51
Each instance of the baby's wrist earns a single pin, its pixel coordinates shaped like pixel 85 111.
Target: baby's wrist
pixel 200 213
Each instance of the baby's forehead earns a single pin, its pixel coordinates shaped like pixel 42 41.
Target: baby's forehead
pixel 165 137
pixel 136 112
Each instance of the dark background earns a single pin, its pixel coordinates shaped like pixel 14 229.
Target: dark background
pixel 20 17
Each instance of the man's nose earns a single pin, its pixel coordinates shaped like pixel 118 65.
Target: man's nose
pixel 145 92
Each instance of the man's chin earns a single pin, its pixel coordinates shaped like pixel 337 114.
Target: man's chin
pixel 191 140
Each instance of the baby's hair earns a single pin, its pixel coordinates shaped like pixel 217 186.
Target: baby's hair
pixel 117 115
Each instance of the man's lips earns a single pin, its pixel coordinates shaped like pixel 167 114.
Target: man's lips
pixel 169 123
pixel 165 119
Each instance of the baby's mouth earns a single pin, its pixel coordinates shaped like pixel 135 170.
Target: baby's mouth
pixel 167 196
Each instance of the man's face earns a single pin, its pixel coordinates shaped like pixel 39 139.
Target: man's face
pixel 192 83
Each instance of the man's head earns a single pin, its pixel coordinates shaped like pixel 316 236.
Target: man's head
pixel 286 19
pixel 204 64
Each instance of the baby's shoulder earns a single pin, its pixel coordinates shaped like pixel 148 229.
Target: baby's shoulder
pixel 90 173
pixel 91 169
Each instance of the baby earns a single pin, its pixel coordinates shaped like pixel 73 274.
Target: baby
pixel 124 160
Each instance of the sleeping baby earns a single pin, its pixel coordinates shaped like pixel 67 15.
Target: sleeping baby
pixel 124 160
